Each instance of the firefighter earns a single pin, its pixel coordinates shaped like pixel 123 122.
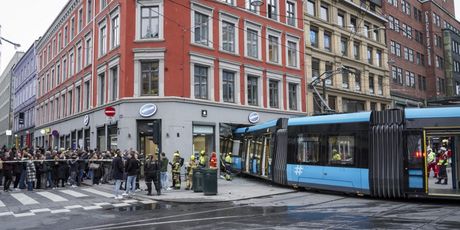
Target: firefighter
pixel 203 159
pixel 442 165
pixel 228 166
pixel 176 166
pixel 213 161
pixel 191 166
pixel 152 173
pixel 432 163
pixel 336 155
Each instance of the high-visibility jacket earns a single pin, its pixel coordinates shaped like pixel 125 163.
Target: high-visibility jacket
pixel 228 159
pixel 203 160
pixel 431 157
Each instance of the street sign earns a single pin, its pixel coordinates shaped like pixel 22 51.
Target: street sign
pixel 86 120
pixel 109 111
pixel 253 117
pixel 9 132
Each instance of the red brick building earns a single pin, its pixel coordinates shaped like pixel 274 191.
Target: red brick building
pixel 179 73
pixel 418 50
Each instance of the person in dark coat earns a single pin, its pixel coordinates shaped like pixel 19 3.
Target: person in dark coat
pixel 152 173
pixel 40 170
pixel 7 171
pixel 74 169
pixel 17 169
pixel 132 169
pixel 96 167
pixel 117 174
pixel 63 170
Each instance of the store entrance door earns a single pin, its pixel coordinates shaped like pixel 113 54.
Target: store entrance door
pixel 203 140
pixel 149 136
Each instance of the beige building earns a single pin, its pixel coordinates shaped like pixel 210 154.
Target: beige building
pixel 351 35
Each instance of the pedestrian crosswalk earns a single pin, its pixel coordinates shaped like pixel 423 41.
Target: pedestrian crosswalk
pixel 25 203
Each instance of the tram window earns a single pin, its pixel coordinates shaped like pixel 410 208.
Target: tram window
pixel 341 150
pixel 308 149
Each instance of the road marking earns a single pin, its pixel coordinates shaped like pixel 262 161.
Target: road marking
pixel 130 201
pixel 2 204
pixel 24 214
pixel 92 207
pixel 121 205
pixel 148 202
pixel 52 196
pixel 6 213
pixel 100 193
pixel 41 210
pixel 23 198
pixel 102 204
pixel 73 206
pixel 60 211
pixel 73 193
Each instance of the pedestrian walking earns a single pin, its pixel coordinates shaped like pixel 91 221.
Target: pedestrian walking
pixel 117 173
pixel 17 169
pixel 7 171
pixel 74 170
pixel 132 170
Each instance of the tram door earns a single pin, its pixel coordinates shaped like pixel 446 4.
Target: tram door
pixel 442 163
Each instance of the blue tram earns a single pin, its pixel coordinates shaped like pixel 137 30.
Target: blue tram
pixel 379 153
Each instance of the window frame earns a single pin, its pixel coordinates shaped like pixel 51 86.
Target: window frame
pixel 205 11
pixel 227 18
pixel 150 3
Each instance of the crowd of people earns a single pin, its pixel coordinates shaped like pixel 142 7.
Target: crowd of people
pixel 49 169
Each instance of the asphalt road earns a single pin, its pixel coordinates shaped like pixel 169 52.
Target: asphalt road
pixel 301 210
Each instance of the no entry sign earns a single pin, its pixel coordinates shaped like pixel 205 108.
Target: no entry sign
pixel 109 111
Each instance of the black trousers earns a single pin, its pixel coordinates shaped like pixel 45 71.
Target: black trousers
pixel 17 177
pixel 156 182
pixel 8 180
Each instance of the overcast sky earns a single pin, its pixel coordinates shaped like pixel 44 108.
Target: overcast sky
pixel 24 21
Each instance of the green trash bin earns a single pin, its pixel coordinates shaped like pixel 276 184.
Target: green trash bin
pixel 197 180
pixel 210 182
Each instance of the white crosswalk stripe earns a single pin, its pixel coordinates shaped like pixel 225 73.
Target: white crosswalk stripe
pixel 52 196
pixel 73 193
pixel 97 192
pixel 23 198
pixel 2 204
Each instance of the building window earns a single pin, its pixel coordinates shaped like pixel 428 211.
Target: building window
pixel 101 89
pixel 65 36
pixel 290 14
pixel 228 36
pixel 58 74
pixel 102 40
pixel 71 64
pixel 72 28
pixel 314 36
pixel 329 76
pixel 273 50
pixel 273 93
pixel 201 29
pixel 311 8
pixel 379 58
pixel 103 4
pixel 114 83
pixel 79 58
pixel 228 86
pixel 341 19
pixel 371 84
pixel 89 10
pixel 87 95
pixel 115 36
pixel 251 7
pixel 80 19
pixel 369 55
pixel 345 80
pixel 292 88
pixel 380 86
pixel 272 11
pixel 252 43
pixel 356 50
pixel 357 81
pixel 64 70
pixel 324 12
pixel 150 78
pixel 89 51
pixel 150 22
pixel 292 53
pixel 327 41
pixel 344 46
pixel 201 82
pixel 70 103
pixel 77 99
pixel 314 69
pixel 253 90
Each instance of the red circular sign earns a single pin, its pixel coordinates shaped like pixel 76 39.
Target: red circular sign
pixel 109 111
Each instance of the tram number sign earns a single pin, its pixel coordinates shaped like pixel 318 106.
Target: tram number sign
pixel 109 111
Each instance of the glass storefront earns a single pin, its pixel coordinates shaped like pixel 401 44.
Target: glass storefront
pixel 80 139
pixel 149 136
pixel 101 139
pixel 203 140
pixel 112 137
pixel 87 139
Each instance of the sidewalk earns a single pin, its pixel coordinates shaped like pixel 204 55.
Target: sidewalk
pixel 237 189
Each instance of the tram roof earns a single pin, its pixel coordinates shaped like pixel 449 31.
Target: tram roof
pixel 254 128
pixel 331 119
pixel 439 112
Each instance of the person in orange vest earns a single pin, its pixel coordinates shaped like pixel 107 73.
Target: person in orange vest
pixel 213 161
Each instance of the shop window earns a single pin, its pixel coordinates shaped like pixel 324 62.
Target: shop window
pixel 341 150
